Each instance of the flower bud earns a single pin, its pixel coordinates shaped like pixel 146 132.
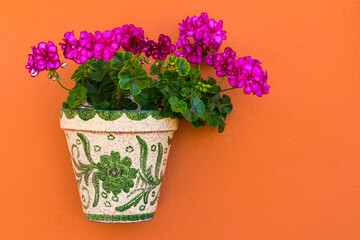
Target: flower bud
pixel 49 75
pixel 63 65
pixel 34 72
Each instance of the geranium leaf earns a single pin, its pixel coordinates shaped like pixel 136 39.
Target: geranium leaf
pixel 183 67
pixel 76 96
pixel 100 69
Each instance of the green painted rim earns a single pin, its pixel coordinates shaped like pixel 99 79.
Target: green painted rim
pixel 119 218
pixel 110 115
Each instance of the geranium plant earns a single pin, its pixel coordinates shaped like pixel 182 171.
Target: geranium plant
pixel 112 74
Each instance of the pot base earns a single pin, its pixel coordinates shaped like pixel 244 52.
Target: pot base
pixel 119 218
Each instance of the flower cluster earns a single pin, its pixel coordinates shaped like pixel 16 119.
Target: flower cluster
pixel 45 56
pixel 105 45
pixel 161 49
pixel 206 34
pixel 224 62
pixel 247 73
pixel 199 41
pixel 102 45
pixel 78 50
pixel 131 38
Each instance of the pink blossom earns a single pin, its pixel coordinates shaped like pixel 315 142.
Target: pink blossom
pixel 44 57
pixel 248 73
pixel 78 50
pixel 105 45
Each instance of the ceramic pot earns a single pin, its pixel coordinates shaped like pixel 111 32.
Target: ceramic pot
pixel 119 159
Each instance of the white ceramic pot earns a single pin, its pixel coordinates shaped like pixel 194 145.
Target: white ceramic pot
pixel 119 159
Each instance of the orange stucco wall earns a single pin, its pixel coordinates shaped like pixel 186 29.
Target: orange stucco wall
pixel 287 166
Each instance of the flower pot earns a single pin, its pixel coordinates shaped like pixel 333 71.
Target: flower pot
pixel 119 159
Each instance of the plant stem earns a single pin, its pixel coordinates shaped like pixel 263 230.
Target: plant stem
pixel 190 95
pixel 62 85
pixel 198 67
pixel 222 79
pixel 227 89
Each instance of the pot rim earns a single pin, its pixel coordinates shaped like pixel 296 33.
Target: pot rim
pixel 102 110
pixel 116 120
pixel 110 115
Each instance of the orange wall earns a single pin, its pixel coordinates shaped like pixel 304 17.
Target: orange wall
pixel 287 167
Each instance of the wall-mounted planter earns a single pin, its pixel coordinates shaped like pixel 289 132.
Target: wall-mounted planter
pixel 119 159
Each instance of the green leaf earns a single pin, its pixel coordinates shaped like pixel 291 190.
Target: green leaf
pixel 65 105
pixel 140 73
pixel 83 71
pixel 100 69
pixel 172 59
pixel 135 89
pixel 226 104
pixel 221 126
pixel 213 118
pixel 128 104
pixel 223 104
pixel 198 106
pixel 215 90
pixel 156 68
pixel 92 86
pixel 125 78
pixel 117 64
pixel 184 92
pixel 170 76
pixel 147 99
pixel 76 96
pixel 104 106
pixel 182 106
pixel 124 56
pixel 194 73
pixel 142 98
pixel 176 105
pixel 198 123
pixel 134 80
pixel 183 67
pixel 169 91
pixel 190 116
pixel 97 99
pixel 211 81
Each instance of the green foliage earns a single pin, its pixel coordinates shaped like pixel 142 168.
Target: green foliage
pixel 177 89
pixel 134 80
pixel 83 71
pixel 76 96
pixel 182 66
pixel 100 68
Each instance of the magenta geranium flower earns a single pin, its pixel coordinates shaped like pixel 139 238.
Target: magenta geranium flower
pixel 192 52
pixel 214 34
pixel 132 39
pixel 127 31
pixel 105 45
pixel 150 46
pixel 204 32
pixel 135 45
pixel 43 57
pixel 199 41
pixel 224 62
pixel 248 73
pixel 78 50
pixel 163 48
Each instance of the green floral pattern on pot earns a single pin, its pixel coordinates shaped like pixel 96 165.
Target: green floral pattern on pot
pixel 116 175
pixel 119 177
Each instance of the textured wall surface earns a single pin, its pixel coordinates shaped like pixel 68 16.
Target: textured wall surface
pixel 286 167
